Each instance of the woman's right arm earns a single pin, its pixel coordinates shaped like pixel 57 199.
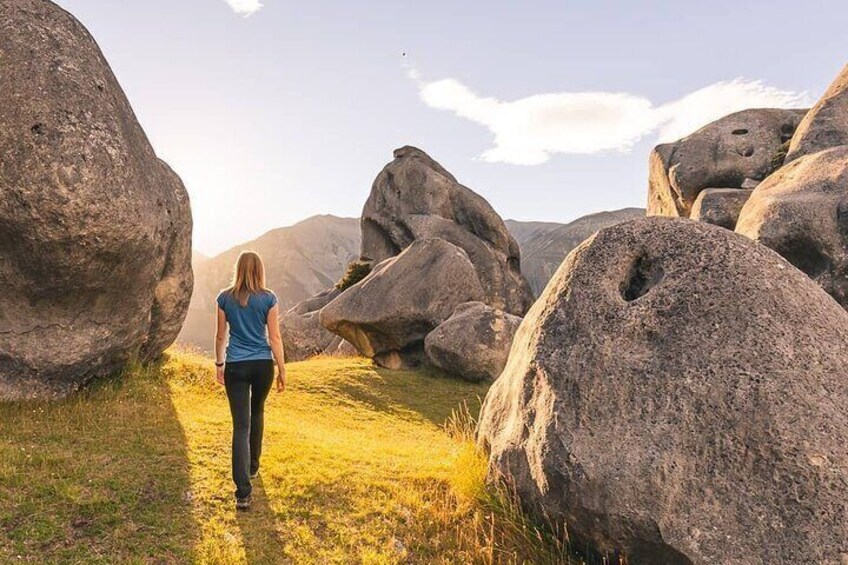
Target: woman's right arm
pixel 220 342
pixel 275 340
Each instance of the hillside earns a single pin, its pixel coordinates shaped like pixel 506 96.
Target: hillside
pixel 361 465
pixel 544 245
pixel 300 260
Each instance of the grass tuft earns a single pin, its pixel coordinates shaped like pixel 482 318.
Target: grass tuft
pixel 356 271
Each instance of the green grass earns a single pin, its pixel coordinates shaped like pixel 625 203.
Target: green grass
pixel 361 465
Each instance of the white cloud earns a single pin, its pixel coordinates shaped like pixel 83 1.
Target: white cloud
pixel 245 7
pixel 529 130
pixel 697 109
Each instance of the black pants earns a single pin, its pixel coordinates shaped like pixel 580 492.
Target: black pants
pixel 247 384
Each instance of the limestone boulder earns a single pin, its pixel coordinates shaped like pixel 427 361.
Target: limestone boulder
pixel 301 329
pixel 473 343
pixel 387 315
pixel 801 211
pixel 826 124
pixel 678 395
pixel 341 348
pixel 414 197
pixel 732 152
pixel 95 230
pixel 720 206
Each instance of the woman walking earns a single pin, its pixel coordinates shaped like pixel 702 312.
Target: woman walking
pixel 254 344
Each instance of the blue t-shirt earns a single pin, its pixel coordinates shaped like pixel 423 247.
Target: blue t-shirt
pixel 248 335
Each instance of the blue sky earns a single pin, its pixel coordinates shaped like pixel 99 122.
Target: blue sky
pixel 275 110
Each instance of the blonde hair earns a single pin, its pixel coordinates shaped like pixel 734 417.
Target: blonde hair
pixel 248 277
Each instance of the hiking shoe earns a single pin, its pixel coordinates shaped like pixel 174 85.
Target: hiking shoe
pixel 243 503
pixel 254 474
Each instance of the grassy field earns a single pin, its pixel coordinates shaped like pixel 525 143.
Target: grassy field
pixel 361 465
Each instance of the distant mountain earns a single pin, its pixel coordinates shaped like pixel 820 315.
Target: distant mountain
pixel 197 259
pixel 300 261
pixel 544 245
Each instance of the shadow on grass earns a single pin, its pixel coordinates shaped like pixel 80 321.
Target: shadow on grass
pixel 100 477
pixel 259 531
pixel 427 392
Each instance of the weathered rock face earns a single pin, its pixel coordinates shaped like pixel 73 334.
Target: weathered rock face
pixel 747 145
pixel 801 211
pixel 414 197
pixel 720 206
pixel 301 329
pixel 679 393
pixel 473 343
pixel 95 231
pixel 826 124
pixel 387 314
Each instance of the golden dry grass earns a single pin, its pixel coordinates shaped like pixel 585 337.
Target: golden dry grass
pixel 361 465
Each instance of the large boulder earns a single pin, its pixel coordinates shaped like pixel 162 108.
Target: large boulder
pixel 826 124
pixel 95 231
pixel 473 343
pixel 720 206
pixel 745 146
pixel 679 394
pixel 301 329
pixel 387 315
pixel 801 211
pixel 414 197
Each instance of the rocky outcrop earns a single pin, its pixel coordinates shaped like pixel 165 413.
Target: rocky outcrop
pixel 473 343
pixel 387 315
pixel 745 146
pixel 544 245
pixel 801 211
pixel 301 329
pixel 414 198
pixel 720 206
pixel 826 124
pixel 95 231
pixel 678 393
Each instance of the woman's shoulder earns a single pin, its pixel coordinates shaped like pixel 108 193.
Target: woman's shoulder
pixel 224 295
pixel 269 296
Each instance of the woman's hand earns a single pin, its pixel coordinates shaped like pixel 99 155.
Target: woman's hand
pixel 281 379
pixel 219 374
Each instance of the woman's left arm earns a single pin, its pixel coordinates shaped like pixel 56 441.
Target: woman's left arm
pixel 275 340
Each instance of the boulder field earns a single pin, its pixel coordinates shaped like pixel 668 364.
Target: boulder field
pixel 779 177
pixel 677 395
pixel 95 230
pixel 434 245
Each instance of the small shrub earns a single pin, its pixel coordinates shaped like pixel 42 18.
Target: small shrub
pixel 356 271
pixel 780 156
